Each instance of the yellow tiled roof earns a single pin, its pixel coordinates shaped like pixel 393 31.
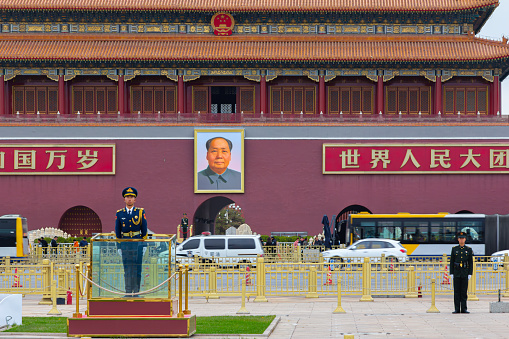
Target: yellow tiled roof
pixel 251 48
pixel 251 5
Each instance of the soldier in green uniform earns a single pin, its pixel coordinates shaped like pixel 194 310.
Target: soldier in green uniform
pixel 461 267
pixel 184 226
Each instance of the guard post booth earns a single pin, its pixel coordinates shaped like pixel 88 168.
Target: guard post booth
pixel 148 309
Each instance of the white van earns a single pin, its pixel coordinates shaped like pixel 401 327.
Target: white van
pixel 233 248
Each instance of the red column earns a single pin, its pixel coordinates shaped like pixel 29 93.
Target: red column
pixel 2 95
pixel 181 94
pixel 380 95
pixel 496 96
pixel 321 94
pixel 61 94
pixel 438 95
pixel 121 94
pixel 263 94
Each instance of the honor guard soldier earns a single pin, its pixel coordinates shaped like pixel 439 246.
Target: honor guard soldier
pixel 131 223
pixel 461 267
pixel 184 226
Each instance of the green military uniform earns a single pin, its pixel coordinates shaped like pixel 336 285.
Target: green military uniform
pixel 184 224
pixel 461 267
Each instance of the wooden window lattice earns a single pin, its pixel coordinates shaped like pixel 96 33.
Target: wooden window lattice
pixel 30 100
pixel 310 101
pixel 298 99
pixel 276 100
pixel 334 100
pixel 466 100
pixel 52 100
pixel 247 97
pixel 200 99
pixel 91 99
pixel 100 100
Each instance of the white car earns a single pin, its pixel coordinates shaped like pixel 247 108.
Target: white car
pixel 372 248
pixel 499 256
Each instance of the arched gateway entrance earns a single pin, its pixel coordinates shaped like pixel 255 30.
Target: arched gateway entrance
pixel 340 224
pixel 205 214
pixel 80 221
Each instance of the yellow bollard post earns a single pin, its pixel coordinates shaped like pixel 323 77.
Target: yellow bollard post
pixel 46 271
pixel 54 310
pixel 312 281
pixel 348 336
pixel 433 308
pixel 213 283
pixel 180 314
pixel 77 314
pixel 80 281
pixel 339 309
pixel 186 291
pixel 260 280
pixel 89 285
pixel 366 281
pixel 243 309
pixel 411 292
pixel 472 284
pixel 506 273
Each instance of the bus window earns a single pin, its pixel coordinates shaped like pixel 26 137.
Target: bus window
pixel 416 231
pixel 386 230
pixel 363 232
pixel 7 233
pixel 473 229
pixel 393 233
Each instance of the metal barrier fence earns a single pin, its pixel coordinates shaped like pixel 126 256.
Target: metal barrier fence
pixel 26 278
pixel 60 254
pixel 266 279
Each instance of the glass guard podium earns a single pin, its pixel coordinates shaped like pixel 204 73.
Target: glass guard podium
pixel 132 268
pixel 131 290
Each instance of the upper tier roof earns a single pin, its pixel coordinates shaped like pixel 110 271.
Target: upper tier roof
pixel 175 47
pixel 252 5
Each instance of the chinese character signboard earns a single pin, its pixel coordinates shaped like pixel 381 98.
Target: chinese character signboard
pixel 79 159
pixel 415 158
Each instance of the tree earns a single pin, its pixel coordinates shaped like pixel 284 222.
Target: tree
pixel 229 216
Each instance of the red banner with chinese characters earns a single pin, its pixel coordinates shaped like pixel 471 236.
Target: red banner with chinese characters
pixel 79 159
pixel 415 158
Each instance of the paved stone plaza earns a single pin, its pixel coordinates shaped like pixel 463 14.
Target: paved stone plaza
pixel 313 318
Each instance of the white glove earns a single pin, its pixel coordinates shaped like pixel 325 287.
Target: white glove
pixel 144 250
pixel 452 276
pixel 469 276
pixel 119 251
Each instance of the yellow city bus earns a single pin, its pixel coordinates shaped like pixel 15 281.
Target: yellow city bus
pixel 13 236
pixel 420 234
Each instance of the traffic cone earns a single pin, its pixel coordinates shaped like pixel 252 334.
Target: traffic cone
pixel 445 279
pixel 329 277
pixel 17 282
pixel 391 266
pixel 419 291
pixel 248 276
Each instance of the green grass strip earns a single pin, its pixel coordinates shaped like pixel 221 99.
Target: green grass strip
pixel 233 324
pixel 41 325
pixel 204 325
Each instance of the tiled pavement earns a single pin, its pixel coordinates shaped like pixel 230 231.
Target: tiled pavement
pixel 313 318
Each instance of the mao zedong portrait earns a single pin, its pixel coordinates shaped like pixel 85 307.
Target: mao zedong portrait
pixel 217 176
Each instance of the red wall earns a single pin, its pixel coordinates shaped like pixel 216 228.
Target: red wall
pixel 285 189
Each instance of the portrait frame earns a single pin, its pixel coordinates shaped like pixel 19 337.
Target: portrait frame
pixel 204 183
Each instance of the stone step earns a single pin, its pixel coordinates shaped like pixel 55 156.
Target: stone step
pixel 147 326
pixel 131 307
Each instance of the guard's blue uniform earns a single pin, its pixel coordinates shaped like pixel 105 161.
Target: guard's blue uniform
pixel 133 226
